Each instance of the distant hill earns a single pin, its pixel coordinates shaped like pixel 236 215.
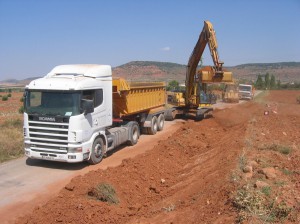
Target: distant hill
pixel 285 71
pixel 12 81
pixel 149 70
pixel 166 71
pixel 15 82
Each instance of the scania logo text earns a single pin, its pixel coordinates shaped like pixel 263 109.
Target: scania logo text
pixel 47 119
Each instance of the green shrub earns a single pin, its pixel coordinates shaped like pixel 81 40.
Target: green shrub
pixel 22 99
pixel 278 148
pixel 266 190
pixel 21 109
pixel 4 98
pixel 9 95
pixel 286 171
pixel 104 192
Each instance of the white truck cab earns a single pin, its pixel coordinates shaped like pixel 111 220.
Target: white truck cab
pixel 245 92
pixel 69 113
pixel 66 110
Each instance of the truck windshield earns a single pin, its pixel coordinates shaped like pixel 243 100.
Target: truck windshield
pixel 245 88
pixel 52 103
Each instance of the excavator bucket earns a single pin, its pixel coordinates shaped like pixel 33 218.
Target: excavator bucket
pixel 209 75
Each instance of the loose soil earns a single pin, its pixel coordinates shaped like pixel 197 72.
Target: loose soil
pixel 193 175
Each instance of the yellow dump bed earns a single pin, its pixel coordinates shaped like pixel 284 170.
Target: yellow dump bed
pixel 134 97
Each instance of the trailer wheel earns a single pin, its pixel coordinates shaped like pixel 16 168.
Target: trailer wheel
pixel 97 151
pixel 154 126
pixel 134 132
pixel 170 115
pixel 199 115
pixel 160 122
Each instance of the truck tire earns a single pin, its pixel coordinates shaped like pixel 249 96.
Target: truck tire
pixel 160 122
pixel 154 126
pixel 133 132
pixel 199 115
pixel 170 115
pixel 97 151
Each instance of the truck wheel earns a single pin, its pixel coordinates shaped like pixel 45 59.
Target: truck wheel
pixel 134 132
pixel 97 151
pixel 160 122
pixel 170 115
pixel 199 115
pixel 154 126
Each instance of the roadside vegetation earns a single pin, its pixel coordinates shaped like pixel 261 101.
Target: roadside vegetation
pixel 4 98
pixel 11 138
pixel 264 176
pixel 11 124
pixel 268 82
pixel 104 192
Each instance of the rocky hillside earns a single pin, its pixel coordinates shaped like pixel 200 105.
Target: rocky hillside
pixel 148 70
pixel 166 71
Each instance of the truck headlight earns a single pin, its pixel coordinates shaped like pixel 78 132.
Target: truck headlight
pixel 74 149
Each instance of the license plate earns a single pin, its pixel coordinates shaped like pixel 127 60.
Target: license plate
pixel 48 157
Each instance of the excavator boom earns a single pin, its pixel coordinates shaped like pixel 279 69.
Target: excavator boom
pixel 207 36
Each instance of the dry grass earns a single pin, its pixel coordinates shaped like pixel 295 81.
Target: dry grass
pixel 104 192
pixel 277 148
pixel 242 161
pixel 253 204
pixel 11 138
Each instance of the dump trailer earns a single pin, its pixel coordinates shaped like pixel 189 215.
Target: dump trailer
pixel 79 112
pixel 230 93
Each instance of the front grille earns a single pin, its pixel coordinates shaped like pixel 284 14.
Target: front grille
pixel 48 137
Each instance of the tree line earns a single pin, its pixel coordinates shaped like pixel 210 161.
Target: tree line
pixel 263 82
pixel 268 81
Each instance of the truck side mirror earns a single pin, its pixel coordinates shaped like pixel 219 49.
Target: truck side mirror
pixel 87 106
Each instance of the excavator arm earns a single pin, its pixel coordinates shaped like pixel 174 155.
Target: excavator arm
pixel 207 36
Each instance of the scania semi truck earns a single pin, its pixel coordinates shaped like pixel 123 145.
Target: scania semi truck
pixel 79 112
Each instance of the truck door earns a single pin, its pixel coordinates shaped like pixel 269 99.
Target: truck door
pixel 99 114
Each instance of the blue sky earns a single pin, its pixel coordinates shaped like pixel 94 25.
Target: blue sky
pixel 36 35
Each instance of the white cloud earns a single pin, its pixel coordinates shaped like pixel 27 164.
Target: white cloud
pixel 166 49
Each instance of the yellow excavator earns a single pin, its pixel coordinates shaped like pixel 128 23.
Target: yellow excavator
pixel 195 99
